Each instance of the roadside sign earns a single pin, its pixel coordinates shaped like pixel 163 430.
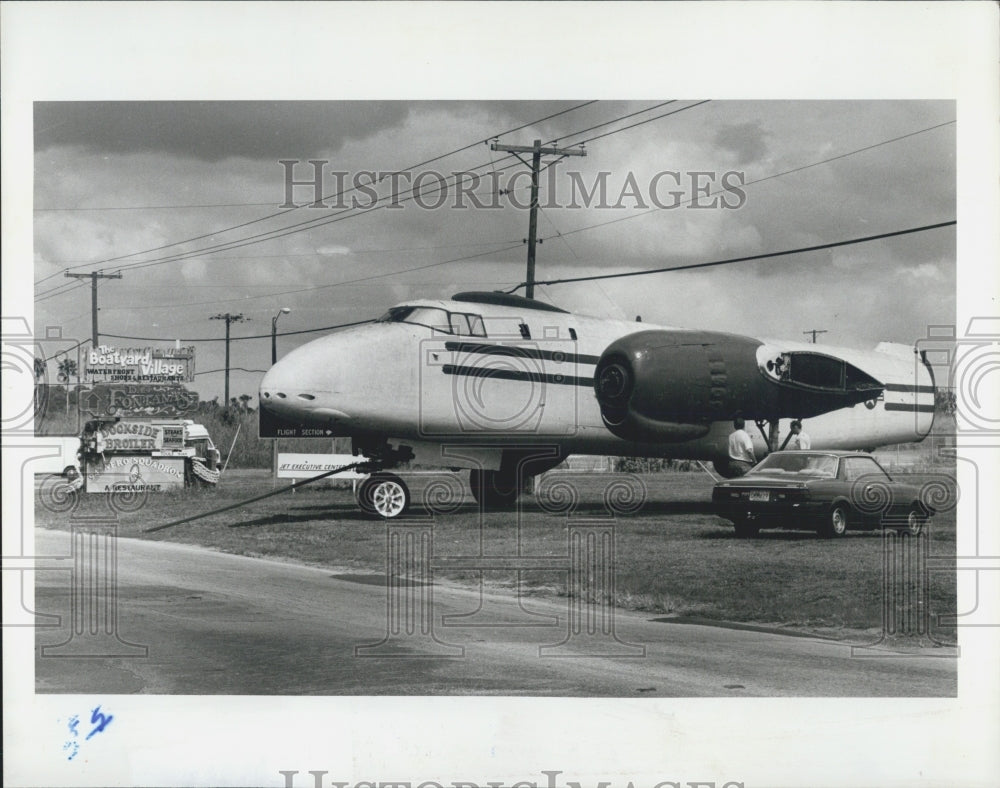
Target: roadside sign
pixel 136 473
pixel 152 400
pixel 308 466
pixel 109 364
pixel 271 426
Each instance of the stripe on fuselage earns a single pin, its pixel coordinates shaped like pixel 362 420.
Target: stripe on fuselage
pixel 522 352
pixel 516 374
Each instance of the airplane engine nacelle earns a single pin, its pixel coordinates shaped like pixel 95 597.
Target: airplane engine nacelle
pixel 668 386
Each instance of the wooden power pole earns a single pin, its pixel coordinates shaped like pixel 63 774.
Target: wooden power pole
pixel 537 151
pixel 814 332
pixel 93 276
pixel 229 318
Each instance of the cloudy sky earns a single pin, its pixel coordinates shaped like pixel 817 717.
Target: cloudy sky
pixel 184 199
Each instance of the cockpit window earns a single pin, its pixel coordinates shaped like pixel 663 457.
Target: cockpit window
pixel 460 324
pixel 442 321
pixel 476 327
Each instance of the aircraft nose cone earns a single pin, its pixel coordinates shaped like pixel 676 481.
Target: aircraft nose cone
pixel 280 387
pixel 299 389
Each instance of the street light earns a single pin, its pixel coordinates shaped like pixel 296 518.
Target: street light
pixel 274 333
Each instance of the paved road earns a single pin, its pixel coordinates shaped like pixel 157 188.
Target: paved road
pixel 215 623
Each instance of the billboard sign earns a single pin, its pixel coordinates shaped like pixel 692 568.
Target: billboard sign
pixel 153 400
pixel 131 436
pixel 135 473
pixel 108 364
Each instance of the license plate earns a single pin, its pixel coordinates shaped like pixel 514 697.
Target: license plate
pixel 760 495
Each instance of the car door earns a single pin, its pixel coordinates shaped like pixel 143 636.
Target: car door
pixel 869 489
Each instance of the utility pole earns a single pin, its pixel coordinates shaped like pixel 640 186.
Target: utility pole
pixel 229 318
pixel 93 276
pixel 537 151
pixel 814 332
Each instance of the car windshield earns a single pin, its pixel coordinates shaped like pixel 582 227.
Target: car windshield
pixel 819 465
pixel 442 321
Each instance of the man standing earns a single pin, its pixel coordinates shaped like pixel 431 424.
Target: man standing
pixel 797 439
pixel 741 456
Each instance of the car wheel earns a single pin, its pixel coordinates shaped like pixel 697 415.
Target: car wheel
pixel 745 528
pixel 914 522
pixel 384 495
pixel 836 522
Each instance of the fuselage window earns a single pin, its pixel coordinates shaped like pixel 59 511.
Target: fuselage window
pixel 525 331
pixel 459 324
pixel 476 327
pixel 572 334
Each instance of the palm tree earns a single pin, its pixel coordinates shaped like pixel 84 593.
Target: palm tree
pixel 67 370
pixel 245 400
pixel 41 390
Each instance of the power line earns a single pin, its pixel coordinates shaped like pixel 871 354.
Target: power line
pixel 347 213
pixel 281 232
pixel 643 122
pixel 58 290
pixel 238 243
pixel 617 120
pixel 756 181
pixel 223 369
pixel 339 194
pixel 185 206
pixel 354 281
pixel 749 258
pixel 235 339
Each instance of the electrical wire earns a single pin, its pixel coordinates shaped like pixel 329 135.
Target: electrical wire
pixel 354 281
pixel 338 195
pixel 748 258
pixel 755 181
pixel 347 212
pixel 234 339
pixel 643 122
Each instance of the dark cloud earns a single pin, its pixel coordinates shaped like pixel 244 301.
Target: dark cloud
pixel 213 130
pixel 746 140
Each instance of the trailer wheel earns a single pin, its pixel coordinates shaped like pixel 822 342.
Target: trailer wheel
pixel 384 495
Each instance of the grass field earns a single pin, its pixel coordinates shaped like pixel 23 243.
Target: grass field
pixel 673 555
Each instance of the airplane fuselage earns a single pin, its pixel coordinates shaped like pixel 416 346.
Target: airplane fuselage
pixel 459 381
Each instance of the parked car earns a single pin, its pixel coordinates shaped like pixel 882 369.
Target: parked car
pixel 825 491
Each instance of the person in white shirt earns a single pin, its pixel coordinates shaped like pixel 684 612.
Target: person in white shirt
pixel 797 439
pixel 741 456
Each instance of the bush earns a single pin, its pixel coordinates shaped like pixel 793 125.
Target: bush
pixel 653 465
